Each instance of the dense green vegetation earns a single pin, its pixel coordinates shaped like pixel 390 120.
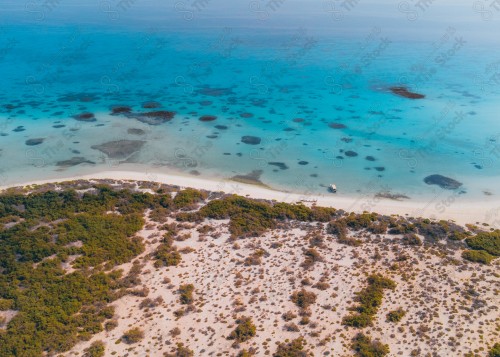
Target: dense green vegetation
pixel 487 241
pixel 188 197
pixel 167 254
pixel 56 309
pixel 244 331
pixel 365 347
pixel 478 256
pixel 370 299
pixel 45 233
pixel 251 218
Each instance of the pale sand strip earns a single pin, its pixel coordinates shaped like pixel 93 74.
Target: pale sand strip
pixel 446 206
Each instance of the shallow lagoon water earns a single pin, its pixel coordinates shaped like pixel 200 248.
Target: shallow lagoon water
pixel 319 103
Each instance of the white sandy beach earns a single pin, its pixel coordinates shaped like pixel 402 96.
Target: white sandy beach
pixel 447 206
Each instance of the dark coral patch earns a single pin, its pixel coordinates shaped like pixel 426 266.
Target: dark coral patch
pixel 405 93
pixel 33 142
pixel 87 117
pixel 206 118
pixel 370 158
pixel 298 120
pixel 155 118
pixel 443 182
pixel 151 105
pixel 246 115
pixel 215 92
pixel 250 140
pixel 303 162
pixel 74 161
pixel 123 109
pixel 380 168
pixel 337 126
pixel 221 127
pixel 280 165
pixel 350 153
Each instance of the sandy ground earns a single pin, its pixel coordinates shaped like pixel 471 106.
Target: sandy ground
pixel 451 308
pixel 446 206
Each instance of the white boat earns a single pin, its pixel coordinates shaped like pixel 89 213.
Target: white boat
pixel 333 188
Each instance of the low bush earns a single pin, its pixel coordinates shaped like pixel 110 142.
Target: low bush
pixel 303 298
pixel 311 256
pixel 411 239
pixel 244 331
pixel 133 335
pixel 370 298
pixel 294 348
pixel 96 349
pixel 180 351
pixel 395 315
pixel 365 347
pixel 186 293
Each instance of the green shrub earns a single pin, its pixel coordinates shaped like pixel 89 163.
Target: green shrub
pixel 495 351
pixel 411 239
pixel 488 241
pixel 294 348
pixel 180 351
pixel 370 298
pixel 478 256
pixel 133 335
pixel 395 315
pixel 303 298
pixel 311 256
pixel 6 304
pixel 186 292
pixel 365 347
pixel 188 197
pixel 96 349
pixel 246 353
pixel 244 331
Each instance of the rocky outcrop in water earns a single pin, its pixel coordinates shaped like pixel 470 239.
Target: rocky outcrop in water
pixel 35 141
pixel 250 140
pixel 405 93
pixel 337 126
pixel 86 117
pixel 206 118
pixel 443 182
pixel 123 109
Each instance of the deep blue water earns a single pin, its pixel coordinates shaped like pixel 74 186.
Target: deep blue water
pixel 281 72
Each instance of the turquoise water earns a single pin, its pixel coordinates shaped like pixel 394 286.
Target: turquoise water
pixel 282 76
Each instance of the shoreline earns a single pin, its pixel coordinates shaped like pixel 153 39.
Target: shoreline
pixel 448 206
